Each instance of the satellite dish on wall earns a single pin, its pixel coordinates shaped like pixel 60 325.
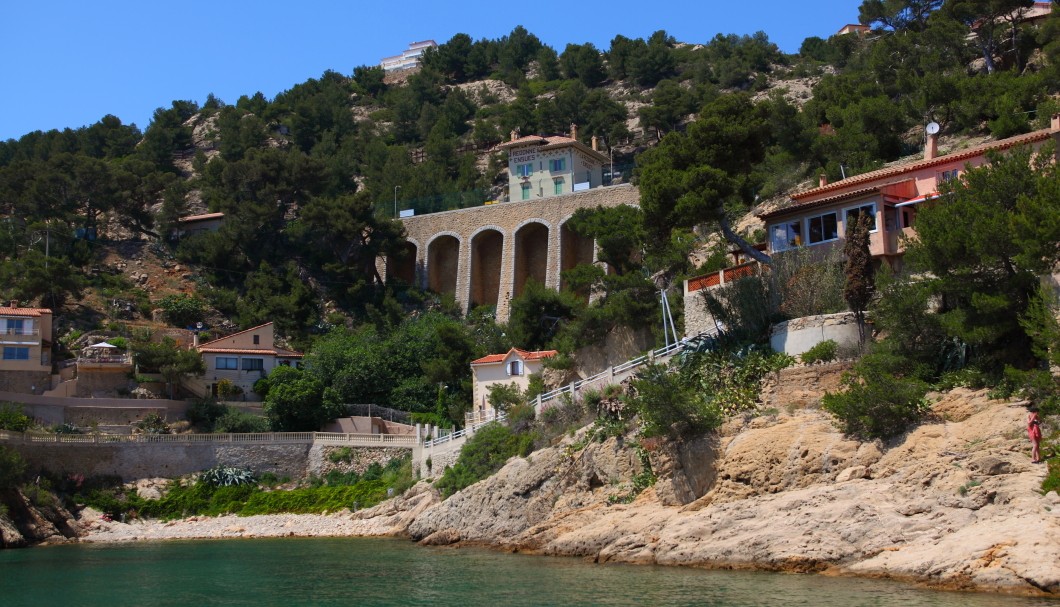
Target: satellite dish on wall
pixel 932 128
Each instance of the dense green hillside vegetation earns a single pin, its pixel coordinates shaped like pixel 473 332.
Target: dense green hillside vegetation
pixel 309 180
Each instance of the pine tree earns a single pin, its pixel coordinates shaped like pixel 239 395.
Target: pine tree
pixel 860 272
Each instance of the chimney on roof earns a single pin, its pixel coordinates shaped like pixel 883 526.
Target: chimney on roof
pixel 931 146
pixel 822 180
pixel 515 134
pixel 596 144
pixel 14 303
pixel 573 131
pixel 1054 124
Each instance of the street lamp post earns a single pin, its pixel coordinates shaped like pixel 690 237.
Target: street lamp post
pixel 396 188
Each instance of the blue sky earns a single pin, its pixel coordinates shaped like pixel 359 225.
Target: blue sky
pixel 67 64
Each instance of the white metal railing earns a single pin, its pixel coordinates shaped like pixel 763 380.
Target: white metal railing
pixel 622 369
pixel 617 372
pixel 324 438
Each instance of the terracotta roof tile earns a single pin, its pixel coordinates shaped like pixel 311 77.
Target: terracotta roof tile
pixel 551 142
pixel 899 169
pixel 524 354
pixel 213 341
pixel 35 312
pixel 799 200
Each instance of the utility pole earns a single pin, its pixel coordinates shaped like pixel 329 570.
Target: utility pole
pixel 396 188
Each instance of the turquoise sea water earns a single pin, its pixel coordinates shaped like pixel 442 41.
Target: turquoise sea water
pixel 396 572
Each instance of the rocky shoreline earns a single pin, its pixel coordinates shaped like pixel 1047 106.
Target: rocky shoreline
pixel 955 504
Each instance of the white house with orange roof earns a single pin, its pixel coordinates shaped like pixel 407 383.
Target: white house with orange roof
pixel 515 366
pixel 818 217
pixel 25 349
pixel 242 358
pixel 542 167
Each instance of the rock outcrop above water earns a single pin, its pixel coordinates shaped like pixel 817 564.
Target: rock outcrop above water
pixel 954 504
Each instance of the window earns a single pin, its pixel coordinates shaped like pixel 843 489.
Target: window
pixel 786 236
pixel 253 364
pixel 557 164
pixel 15 326
pixel 524 170
pixel 226 362
pixel 257 340
pixel 16 353
pixel 852 215
pixel 526 191
pixel 949 175
pixel 823 228
pixel 557 186
pixel 515 367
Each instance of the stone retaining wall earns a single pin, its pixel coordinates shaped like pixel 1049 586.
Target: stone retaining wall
pixel 360 458
pixel 25 382
pixel 135 461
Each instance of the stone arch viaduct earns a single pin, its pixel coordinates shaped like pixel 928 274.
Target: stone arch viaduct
pixel 485 255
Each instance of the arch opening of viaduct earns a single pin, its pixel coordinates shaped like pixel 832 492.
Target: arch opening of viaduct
pixel 486 255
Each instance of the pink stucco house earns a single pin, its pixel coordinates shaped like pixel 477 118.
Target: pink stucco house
pixel 818 217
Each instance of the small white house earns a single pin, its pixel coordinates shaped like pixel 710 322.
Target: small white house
pixel 515 366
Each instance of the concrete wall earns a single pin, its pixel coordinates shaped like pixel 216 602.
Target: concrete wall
pixel 505 219
pixel 800 334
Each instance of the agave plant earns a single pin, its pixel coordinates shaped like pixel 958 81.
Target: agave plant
pixel 227 476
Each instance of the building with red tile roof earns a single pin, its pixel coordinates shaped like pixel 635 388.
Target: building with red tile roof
pixel 542 167
pixel 513 367
pixel 242 358
pixel 25 349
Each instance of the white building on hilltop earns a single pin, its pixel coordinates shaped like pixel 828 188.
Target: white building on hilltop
pixel 408 59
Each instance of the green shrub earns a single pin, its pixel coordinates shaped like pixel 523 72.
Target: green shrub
pixel 12 467
pixel 341 454
pixel 482 455
pixel 875 403
pixel 152 423
pixel 668 405
pixel 240 422
pixel 12 418
pixel 823 352
pixel 182 310
pixel 204 412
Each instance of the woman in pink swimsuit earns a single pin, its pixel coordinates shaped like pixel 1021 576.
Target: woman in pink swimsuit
pixel 1034 432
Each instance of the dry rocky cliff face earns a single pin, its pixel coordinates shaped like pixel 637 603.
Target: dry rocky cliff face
pixel 954 504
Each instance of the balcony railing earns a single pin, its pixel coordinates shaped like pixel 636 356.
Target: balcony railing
pixel 105 360
pixel 721 277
